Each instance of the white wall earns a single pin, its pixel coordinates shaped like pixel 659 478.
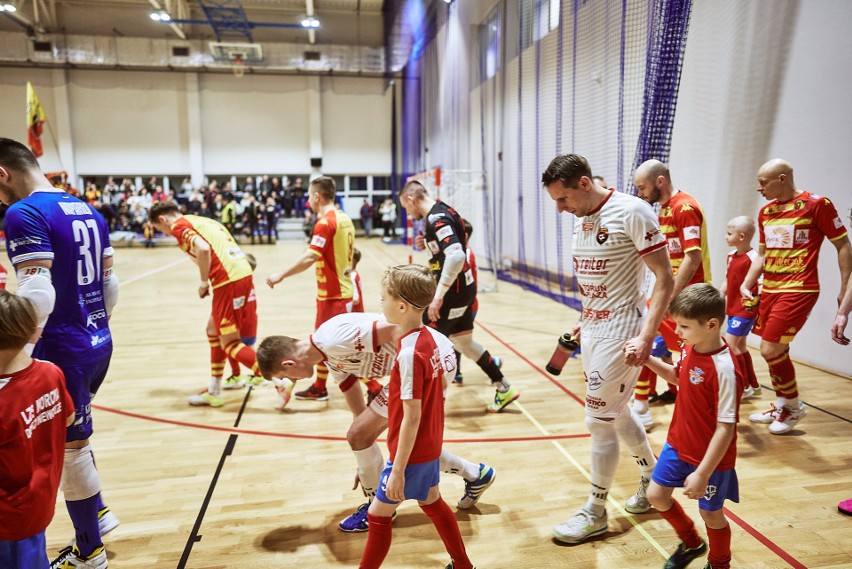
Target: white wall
pixel 133 122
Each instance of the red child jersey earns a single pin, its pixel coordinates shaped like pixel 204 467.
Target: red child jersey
pixel 791 233
pixel 424 359
pixel 709 390
pixel 34 406
pixel 228 263
pixel 333 242
pixel 357 294
pixel 682 222
pixel 738 266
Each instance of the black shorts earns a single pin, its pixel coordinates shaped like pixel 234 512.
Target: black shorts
pixel 456 314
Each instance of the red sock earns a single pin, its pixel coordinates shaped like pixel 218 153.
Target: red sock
pixel 448 528
pixel 217 356
pixel 783 376
pixel 748 369
pixel 682 525
pixel 242 354
pixel 643 384
pixel 720 547
pixel 378 541
pixel 235 366
pixel 322 377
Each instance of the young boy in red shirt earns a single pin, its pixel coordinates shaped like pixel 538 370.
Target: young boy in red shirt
pixel 700 450
pixel 424 359
pixel 35 409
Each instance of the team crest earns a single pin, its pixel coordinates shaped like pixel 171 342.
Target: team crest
pixel 603 235
pixel 710 492
pixel 800 204
pixel 595 380
pixel 696 376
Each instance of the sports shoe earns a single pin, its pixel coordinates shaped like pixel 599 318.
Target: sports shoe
pixel 204 398
pixel 473 490
pixel 664 398
pixel 752 392
pixel 356 522
pixel 787 419
pixel 107 521
pixel 647 420
pixel 69 558
pixel 452 566
pixel 313 394
pixel 501 400
pixel 683 556
pixel 580 527
pixel 234 382
pixel 638 503
pixel 459 378
pixel 257 380
pixel 765 417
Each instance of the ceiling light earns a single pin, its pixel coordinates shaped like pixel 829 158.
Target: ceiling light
pixel 310 22
pixel 155 16
pixel 7 8
pixel 160 16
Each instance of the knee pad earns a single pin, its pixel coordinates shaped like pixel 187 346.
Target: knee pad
pixel 602 430
pixel 464 343
pixel 79 476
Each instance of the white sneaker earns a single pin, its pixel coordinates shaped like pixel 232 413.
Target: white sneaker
pixel 580 527
pixel 752 392
pixel 766 417
pixel 69 559
pixel 787 419
pixel 647 420
pixel 107 521
pixel 638 502
pixel 205 398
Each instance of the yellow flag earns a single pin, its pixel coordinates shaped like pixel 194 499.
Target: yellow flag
pixel 35 118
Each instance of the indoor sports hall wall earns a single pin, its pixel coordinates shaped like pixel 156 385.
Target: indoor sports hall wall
pixel 126 122
pixel 760 79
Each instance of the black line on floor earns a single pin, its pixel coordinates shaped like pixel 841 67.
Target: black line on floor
pixel 243 408
pixel 770 389
pixel 194 537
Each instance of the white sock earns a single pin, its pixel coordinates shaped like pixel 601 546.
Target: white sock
pixel 452 464
pixel 604 463
pixel 630 430
pixel 640 405
pixel 780 402
pixel 792 403
pixel 370 464
pixel 215 386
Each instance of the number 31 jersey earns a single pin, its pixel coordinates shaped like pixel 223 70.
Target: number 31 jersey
pixel 54 226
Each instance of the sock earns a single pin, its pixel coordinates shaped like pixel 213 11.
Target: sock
pixel 242 354
pixel 783 376
pixel 84 516
pixel 217 357
pixel 720 547
pixel 603 465
pixel 215 387
pixel 448 528
pixel 682 525
pixel 452 464
pixel 630 430
pixel 235 366
pixel 486 363
pixel 378 542
pixel 370 463
pixel 458 362
pixel 643 386
pixel 322 377
pixel 640 405
pixel 101 504
pixel 373 386
pixel 748 369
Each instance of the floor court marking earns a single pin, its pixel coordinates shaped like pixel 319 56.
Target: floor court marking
pixel 147 274
pixel 745 526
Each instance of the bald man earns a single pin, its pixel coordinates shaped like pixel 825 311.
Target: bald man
pixel 683 224
pixel 792 227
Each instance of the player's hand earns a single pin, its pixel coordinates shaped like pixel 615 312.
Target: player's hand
pixel 838 329
pixel 695 486
pixel 284 387
pixel 274 279
pixel 637 351
pixel 435 309
pixel 395 489
pixel 203 290
pixel 420 241
pixel 575 331
pixel 746 293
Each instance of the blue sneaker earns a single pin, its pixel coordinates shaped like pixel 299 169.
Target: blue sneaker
pixel 459 378
pixel 357 522
pixel 473 490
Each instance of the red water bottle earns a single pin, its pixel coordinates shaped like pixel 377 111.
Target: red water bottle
pixel 565 348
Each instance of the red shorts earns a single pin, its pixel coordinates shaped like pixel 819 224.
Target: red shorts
pixel 781 315
pixel 235 308
pixel 328 309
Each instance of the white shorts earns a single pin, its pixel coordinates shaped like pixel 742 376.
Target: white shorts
pixel 379 404
pixel 609 381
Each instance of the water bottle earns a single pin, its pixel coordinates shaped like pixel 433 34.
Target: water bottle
pixel 565 348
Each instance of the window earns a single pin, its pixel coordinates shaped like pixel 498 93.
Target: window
pixel 538 18
pixel 490 45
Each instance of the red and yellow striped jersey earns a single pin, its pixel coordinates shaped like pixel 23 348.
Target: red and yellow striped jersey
pixel 227 261
pixel 791 233
pixel 682 222
pixel 333 242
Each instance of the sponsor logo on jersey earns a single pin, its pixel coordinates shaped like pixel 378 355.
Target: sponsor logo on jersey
pixel 444 232
pixel 93 317
pixel 588 226
pixel 239 302
pixel 21 241
pixel 780 236
pixel 434 217
pixel 435 364
pixel 433 246
pixel 101 337
pixel 593 290
pixel 591 314
pixel 595 380
pixel 450 364
pixel 602 236
pixel 456 313
pixel 710 492
pixel 802 236
pixel 674 245
pixel 649 235
pixel 692 232
pixel 594 402
pixel 318 241
pixel 837 223
pixel 590 265
pixel 696 376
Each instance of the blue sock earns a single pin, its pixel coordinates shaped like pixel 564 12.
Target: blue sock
pixel 84 515
pixel 101 504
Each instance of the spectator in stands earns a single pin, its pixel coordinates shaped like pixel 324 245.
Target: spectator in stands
pixel 271 214
pixel 298 197
pixel 367 218
pixel 388 212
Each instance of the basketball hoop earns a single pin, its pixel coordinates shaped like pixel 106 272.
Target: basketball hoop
pixel 238 67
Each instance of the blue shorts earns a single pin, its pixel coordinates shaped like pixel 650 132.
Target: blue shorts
pixel 29 553
pixel 738 326
pixel 671 472
pixel 659 349
pixel 419 479
pixel 83 382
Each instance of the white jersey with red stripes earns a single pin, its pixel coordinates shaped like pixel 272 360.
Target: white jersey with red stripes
pixel 349 346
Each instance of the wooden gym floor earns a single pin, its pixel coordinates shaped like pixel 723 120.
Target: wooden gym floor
pixel 246 486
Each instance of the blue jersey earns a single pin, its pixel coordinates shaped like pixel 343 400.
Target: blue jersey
pixel 52 225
